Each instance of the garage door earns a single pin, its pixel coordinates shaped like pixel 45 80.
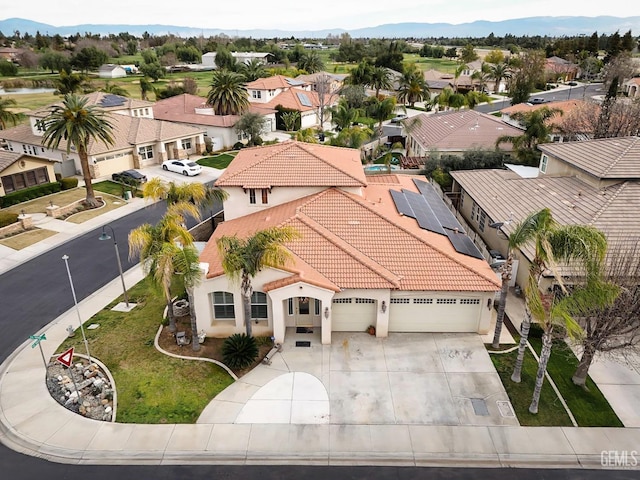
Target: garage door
pixel 426 314
pixel 352 314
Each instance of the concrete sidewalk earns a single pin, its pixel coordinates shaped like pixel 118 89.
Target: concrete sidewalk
pixel 33 423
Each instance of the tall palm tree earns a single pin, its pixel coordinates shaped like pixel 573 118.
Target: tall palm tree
pixel 342 116
pixel 381 110
pixel 380 79
pixel 361 75
pixel 499 72
pixel 310 62
pixel 482 75
pixel 474 98
pixel 156 247
pixel 114 89
pixel 552 243
pixel 145 88
pixel 457 74
pixel 77 124
pixel 352 137
pixel 228 94
pixel 187 266
pixel 244 258
pixel 306 135
pixel 6 115
pixel 186 198
pixel 253 70
pixel 413 87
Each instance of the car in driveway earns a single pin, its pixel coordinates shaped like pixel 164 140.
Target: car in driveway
pixel 537 101
pixel 129 176
pixel 185 167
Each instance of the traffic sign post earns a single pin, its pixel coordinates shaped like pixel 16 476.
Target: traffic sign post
pixel 37 339
pixel 66 359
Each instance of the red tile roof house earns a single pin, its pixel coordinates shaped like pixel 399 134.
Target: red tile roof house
pixel 193 110
pixel 359 260
pixel 139 139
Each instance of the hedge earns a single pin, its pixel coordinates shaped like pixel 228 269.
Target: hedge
pixel 29 194
pixel 68 183
pixel 7 218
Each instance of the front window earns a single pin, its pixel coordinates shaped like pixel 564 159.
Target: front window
pixel 265 196
pixel 252 196
pixel 30 178
pixel 146 152
pixel 258 306
pixel 256 94
pixel 186 144
pixel 223 306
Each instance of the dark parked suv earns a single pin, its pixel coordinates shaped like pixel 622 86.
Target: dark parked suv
pixel 129 176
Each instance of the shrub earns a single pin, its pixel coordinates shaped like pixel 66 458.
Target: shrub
pixel 239 351
pixel 7 218
pixel 68 183
pixel 238 145
pixel 29 194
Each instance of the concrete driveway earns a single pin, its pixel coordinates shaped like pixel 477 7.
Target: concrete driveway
pixel 208 174
pixel 424 379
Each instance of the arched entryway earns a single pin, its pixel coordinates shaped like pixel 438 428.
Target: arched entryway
pixel 304 311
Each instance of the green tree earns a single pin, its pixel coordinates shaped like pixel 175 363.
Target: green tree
pixel 342 116
pixel 306 135
pixel 352 137
pixel 244 258
pixel 7 116
pixel 153 70
pixel 290 120
pixel 114 89
pixel 251 124
pixel 310 62
pixel 499 72
pixel 77 124
pixel 69 82
pixel 187 267
pixel 55 62
pixel 381 110
pixel 253 70
pixel 145 88
pixel 224 60
pixel 468 54
pixel 228 94
pixel 361 75
pixel 380 79
pixel 412 87
pixel 494 57
pixel 89 58
pixel 473 98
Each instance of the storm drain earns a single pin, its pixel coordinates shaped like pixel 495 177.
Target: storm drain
pixel 304 330
pixel 479 406
pixel 303 344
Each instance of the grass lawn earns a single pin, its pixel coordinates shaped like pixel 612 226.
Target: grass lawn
pixel 589 407
pixel 550 412
pixel 26 239
pixel 218 161
pixel 114 188
pixel 151 387
pixel 39 205
pixel 424 63
pixel 110 203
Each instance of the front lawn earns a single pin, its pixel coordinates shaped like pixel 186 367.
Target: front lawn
pixel 151 387
pixel 220 161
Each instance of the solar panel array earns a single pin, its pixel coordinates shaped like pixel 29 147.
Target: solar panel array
pixel 433 215
pixel 112 101
pixel 304 100
pixel 293 82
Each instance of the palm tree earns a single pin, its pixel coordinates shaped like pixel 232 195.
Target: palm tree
pixel 185 198
pixel 290 119
pixel 352 137
pixel 498 72
pixel 306 135
pixel 253 70
pixel 380 79
pixel 537 130
pixel 145 88
pixel 67 83
pixel 482 75
pixel 552 243
pixel 443 98
pixel 456 75
pixel 382 110
pixel 78 123
pixel 187 266
pixel 473 98
pixel 6 115
pixel 413 87
pixel 115 89
pixel 244 258
pixel 228 94
pixel 361 75
pixel 342 116
pixel 310 62
pixel 157 249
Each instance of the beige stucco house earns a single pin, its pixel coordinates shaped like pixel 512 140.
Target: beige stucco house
pixel 19 171
pixel 371 250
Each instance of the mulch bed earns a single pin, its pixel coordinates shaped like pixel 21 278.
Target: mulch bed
pixel 211 348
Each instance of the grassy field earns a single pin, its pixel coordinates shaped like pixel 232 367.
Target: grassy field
pixel 441 64
pixel 152 387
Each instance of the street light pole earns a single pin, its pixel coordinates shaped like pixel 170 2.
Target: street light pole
pixel 75 301
pixel 105 236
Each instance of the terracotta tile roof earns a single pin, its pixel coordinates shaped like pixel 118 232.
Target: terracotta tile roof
pixel 275 82
pixel 572 201
pixel 291 99
pixel 96 98
pixel 611 158
pixel 566 106
pixel 460 130
pixel 349 241
pixel 182 108
pixel 294 164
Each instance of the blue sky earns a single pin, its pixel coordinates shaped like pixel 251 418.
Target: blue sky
pixel 297 14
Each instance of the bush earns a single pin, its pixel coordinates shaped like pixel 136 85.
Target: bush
pixel 239 351
pixel 68 183
pixel 7 218
pixel 238 145
pixel 29 194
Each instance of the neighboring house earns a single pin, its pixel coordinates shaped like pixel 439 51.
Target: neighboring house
pixel 558 69
pixel 631 87
pixel 291 94
pixel 112 71
pixel 9 53
pixel 220 129
pixel 139 140
pixel 209 58
pixel 362 258
pixel 455 132
pixel 335 81
pixel 595 182
pixel 19 171
pixel 569 108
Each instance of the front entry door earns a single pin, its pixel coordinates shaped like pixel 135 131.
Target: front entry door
pixel 303 311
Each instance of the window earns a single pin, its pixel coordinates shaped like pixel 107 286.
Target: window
pixel 316 308
pixel 146 111
pixel 256 94
pixel 543 163
pixel 423 301
pixel 258 306
pixel 223 307
pixel 475 212
pixel 400 300
pixel 446 301
pixel 461 198
pixel 482 221
pixel 186 144
pixel 365 300
pixel 469 301
pixel 341 300
pixel 145 152
pixel 252 196
pixel 290 306
pixel 265 196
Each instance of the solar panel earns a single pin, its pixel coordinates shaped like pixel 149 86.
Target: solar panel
pixel 402 205
pixel 112 101
pixel 423 213
pixel 445 216
pixel 463 244
pixel 293 82
pixel 304 100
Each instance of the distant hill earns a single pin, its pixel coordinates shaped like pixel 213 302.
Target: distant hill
pixel 552 26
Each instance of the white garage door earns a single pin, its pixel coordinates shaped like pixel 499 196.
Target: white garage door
pixel 352 314
pixel 434 314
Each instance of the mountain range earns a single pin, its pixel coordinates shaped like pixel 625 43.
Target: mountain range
pixel 551 26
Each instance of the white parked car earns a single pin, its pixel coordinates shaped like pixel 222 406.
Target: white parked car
pixel 185 167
